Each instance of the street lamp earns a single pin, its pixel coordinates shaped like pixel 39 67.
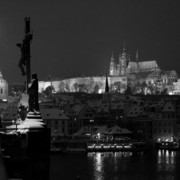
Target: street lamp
pixel 15 122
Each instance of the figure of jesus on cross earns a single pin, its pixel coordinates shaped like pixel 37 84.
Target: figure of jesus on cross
pixel 24 61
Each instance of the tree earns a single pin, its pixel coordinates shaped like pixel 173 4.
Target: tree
pixel 90 85
pixel 96 88
pixel 22 112
pixel 128 90
pixel 67 88
pixel 48 91
pixel 62 86
pixel 164 91
pixel 76 87
pixel 83 88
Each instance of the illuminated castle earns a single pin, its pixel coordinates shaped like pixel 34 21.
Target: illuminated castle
pixel 141 76
pixel 126 66
pixel 140 71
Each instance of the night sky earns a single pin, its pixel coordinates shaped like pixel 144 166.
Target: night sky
pixel 75 37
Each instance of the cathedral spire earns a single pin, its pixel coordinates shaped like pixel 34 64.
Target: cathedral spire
pixel 137 56
pixel 112 67
pixel 112 57
pixel 124 47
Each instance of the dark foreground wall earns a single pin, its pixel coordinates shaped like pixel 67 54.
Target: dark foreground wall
pixel 26 156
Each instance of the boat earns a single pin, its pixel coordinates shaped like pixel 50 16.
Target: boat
pixel 125 146
pixel 168 145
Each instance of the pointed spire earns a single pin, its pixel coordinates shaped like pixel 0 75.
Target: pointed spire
pixel 112 57
pixel 124 46
pixel 106 85
pixel 137 56
pixel 120 54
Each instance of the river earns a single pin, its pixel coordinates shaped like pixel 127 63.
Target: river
pixel 158 165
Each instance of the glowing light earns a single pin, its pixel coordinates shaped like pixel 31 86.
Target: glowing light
pixel 98 146
pixel 167 153
pixel 87 134
pixel 91 146
pixel 98 135
pixel 100 91
pixel 106 146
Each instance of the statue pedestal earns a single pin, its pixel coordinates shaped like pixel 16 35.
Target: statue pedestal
pixel 28 149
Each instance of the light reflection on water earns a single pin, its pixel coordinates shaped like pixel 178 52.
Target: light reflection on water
pixel 150 165
pixel 100 159
pixel 166 158
pixel 126 165
pixel 166 164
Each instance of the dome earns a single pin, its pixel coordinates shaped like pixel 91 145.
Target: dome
pixel 3 87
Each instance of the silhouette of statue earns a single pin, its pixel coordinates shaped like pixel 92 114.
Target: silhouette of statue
pixel 22 61
pixel 33 94
pixel 25 53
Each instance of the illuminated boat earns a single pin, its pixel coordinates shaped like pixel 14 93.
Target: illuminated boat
pixel 168 145
pixel 131 146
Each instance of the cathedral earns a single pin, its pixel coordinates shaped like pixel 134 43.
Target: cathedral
pixel 126 66
pixel 138 71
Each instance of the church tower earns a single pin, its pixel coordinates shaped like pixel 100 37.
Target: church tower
pixel 112 69
pixel 137 61
pixel 123 61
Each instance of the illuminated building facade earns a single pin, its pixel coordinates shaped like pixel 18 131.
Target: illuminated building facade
pixel 138 72
pixel 94 84
pixel 3 87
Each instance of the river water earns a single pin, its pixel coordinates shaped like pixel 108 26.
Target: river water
pixel 158 165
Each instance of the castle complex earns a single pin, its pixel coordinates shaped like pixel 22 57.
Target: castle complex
pixel 138 72
pixel 141 76
pixel 126 66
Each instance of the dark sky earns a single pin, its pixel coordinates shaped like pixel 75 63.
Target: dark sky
pixel 74 37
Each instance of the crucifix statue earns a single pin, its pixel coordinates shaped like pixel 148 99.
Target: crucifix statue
pixel 24 61
pixel 31 86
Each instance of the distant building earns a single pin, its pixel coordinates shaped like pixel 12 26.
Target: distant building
pixel 15 88
pixel 176 88
pixel 166 127
pixel 140 72
pixel 3 87
pixel 56 121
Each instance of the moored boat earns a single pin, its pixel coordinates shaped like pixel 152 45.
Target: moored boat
pixel 128 146
pixel 170 145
